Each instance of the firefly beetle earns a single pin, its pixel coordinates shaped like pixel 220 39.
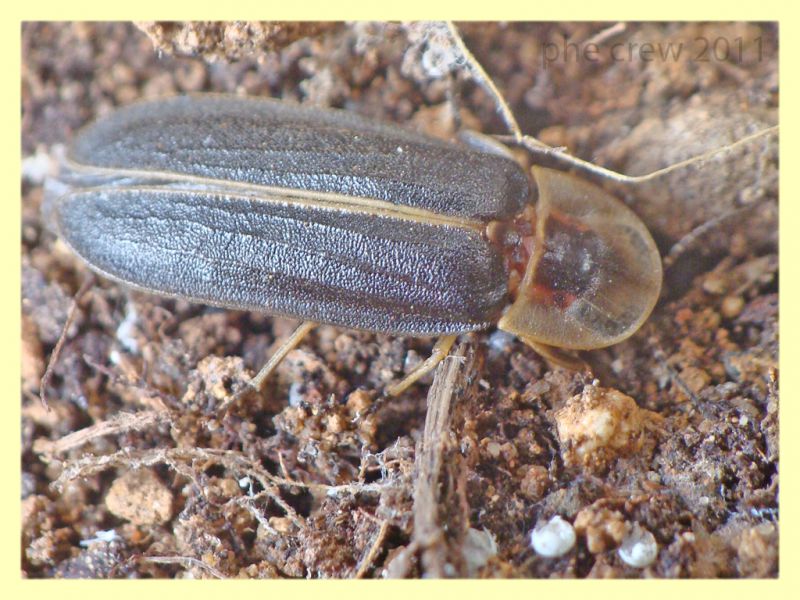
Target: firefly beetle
pixel 329 217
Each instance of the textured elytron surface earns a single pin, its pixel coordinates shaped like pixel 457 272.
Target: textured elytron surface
pixel 345 268
pixel 267 142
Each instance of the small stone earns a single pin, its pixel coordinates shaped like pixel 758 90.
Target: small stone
pixel 732 306
pixel 714 284
pixel 139 496
pixel 554 539
pixel 757 550
pixel 602 424
pixel 281 524
pixel 696 379
pixel 335 424
pixel 639 548
pixel 603 528
pixel 535 482
pixel 358 402
pixel 479 546
pixel 493 448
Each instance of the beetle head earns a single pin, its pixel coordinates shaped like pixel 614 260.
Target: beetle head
pixel 595 272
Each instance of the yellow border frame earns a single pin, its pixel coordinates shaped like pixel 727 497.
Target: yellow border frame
pixel 762 10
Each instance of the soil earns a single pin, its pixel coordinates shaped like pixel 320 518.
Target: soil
pixel 154 460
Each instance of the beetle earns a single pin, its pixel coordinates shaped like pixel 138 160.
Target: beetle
pixel 329 217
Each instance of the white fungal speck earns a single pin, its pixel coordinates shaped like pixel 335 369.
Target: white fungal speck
pixel 295 395
pixel 106 536
pixel 500 341
pixel 127 329
pixel 639 548
pixel 41 165
pixel 554 538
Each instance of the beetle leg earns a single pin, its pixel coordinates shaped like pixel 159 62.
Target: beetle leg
pixel 290 344
pixel 438 354
pixel 561 159
pixel 481 77
pixel 557 356
pixel 557 158
pixel 484 143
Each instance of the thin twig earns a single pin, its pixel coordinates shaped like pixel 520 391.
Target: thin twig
pixel 428 534
pixel 73 309
pixel 661 357
pixel 247 502
pixel 178 458
pixel 154 398
pixel 185 561
pixel 374 549
pixel 695 236
pixel 119 423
